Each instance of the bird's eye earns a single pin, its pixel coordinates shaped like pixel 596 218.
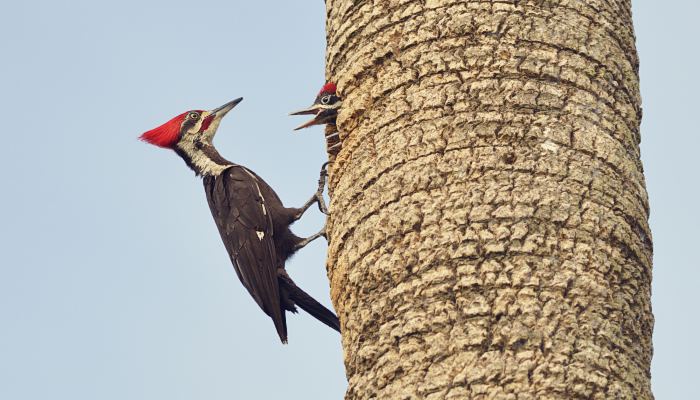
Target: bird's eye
pixel 326 99
pixel 193 115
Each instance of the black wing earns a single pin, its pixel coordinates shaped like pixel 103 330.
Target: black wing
pixel 244 222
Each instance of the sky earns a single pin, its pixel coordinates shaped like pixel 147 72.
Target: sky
pixel 113 281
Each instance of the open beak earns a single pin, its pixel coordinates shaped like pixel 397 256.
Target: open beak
pixel 323 116
pixel 223 110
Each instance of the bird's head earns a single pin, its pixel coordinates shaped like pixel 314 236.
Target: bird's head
pixel 190 134
pixel 325 107
pixel 196 126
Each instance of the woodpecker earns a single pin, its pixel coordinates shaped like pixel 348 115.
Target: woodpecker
pixel 325 108
pixel 251 219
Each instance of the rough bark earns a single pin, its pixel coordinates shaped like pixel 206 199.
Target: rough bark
pixel 489 234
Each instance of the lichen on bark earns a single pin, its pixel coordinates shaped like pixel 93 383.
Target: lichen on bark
pixel 489 236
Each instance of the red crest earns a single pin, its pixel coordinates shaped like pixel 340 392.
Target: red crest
pixel 165 135
pixel 328 88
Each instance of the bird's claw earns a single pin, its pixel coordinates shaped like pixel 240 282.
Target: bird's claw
pixel 304 242
pixel 316 197
pixel 322 205
pixel 323 177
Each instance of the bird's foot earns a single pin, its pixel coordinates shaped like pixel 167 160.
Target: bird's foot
pixel 311 238
pixel 318 196
pixel 323 177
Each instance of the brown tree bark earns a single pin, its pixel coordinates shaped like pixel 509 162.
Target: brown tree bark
pixel 489 234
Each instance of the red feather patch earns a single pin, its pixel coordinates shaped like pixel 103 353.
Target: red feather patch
pixel 207 121
pixel 328 88
pixel 165 135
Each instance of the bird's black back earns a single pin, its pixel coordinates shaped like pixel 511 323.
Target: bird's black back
pixel 242 215
pixel 254 226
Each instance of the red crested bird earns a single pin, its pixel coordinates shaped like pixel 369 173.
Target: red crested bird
pixel 325 110
pixel 252 221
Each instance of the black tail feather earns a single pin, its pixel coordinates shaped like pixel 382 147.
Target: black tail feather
pixel 308 303
pixel 282 328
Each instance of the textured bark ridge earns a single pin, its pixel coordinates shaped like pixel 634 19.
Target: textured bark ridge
pixel 489 237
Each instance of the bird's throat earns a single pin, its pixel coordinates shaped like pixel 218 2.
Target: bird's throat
pixel 202 158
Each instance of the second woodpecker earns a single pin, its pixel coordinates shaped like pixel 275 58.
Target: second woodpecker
pixel 325 110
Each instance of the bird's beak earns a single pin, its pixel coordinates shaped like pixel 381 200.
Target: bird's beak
pixel 220 112
pixel 311 110
pixel 323 116
pixel 312 122
pixel 211 123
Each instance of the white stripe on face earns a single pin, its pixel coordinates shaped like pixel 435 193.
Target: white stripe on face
pixel 190 145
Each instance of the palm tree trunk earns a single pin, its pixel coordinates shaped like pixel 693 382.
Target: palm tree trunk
pixel 489 234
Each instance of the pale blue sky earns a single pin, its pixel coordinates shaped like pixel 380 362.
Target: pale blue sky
pixel 113 281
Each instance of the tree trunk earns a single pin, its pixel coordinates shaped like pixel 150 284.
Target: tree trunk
pixel 489 235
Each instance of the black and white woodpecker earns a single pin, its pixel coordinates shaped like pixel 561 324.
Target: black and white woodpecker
pixel 325 110
pixel 252 221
